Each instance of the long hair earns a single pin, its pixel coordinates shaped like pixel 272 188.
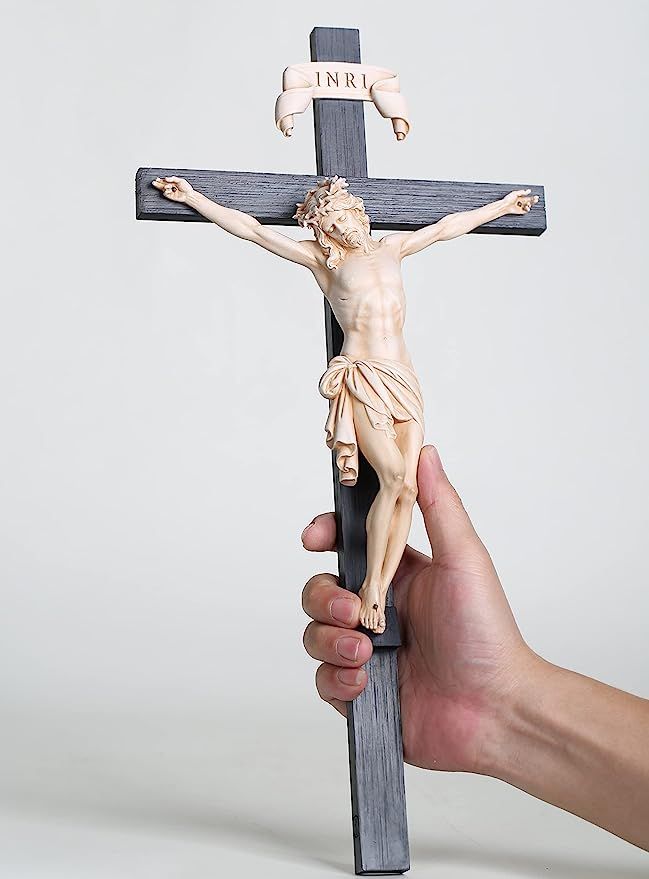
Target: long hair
pixel 330 195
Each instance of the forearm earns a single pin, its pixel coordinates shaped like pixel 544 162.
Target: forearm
pixel 580 745
pixel 236 222
pixel 461 222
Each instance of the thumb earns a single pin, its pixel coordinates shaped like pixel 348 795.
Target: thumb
pixel 447 523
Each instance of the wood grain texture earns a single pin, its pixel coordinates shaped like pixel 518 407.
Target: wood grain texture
pixel 339 125
pixel 390 204
pixel 379 824
pixel 374 731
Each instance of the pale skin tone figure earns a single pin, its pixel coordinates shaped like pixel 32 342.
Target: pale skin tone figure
pixel 368 299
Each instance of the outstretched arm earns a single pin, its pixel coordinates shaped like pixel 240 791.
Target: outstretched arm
pixel 452 225
pixel 238 223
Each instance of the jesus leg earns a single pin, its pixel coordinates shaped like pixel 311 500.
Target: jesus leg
pixel 409 440
pixel 383 455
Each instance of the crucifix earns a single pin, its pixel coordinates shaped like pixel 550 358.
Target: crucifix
pixel 337 216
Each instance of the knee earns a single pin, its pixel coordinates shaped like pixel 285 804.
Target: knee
pixel 408 494
pixel 392 479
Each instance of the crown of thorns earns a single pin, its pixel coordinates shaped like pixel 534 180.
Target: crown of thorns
pixel 331 194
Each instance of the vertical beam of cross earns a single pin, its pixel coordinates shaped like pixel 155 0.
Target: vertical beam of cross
pixel 374 725
pixel 379 823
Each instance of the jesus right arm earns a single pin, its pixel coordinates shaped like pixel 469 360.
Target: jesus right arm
pixel 239 223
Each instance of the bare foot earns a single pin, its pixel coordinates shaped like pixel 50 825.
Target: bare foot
pixel 371 612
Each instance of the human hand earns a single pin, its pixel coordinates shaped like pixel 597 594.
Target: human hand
pixel 463 657
pixel 519 202
pixel 174 188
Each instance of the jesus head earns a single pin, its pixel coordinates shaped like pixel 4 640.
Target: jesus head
pixel 337 218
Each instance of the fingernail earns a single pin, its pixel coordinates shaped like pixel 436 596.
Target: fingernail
pixel 350 676
pixel 343 610
pixel 310 525
pixel 347 647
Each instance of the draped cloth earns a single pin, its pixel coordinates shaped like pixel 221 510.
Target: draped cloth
pixel 390 392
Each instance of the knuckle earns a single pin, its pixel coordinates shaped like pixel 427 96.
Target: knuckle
pixel 312 586
pixel 446 563
pixel 307 594
pixel 307 638
pixel 320 685
pixel 313 639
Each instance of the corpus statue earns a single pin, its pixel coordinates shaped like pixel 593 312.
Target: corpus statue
pixel 375 401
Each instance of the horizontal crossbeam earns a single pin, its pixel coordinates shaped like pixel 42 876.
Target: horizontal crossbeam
pixel 390 204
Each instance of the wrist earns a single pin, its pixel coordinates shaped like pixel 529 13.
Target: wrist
pixel 193 198
pixel 503 207
pixel 576 743
pixel 512 724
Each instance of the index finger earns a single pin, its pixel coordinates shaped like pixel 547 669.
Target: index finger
pixel 320 534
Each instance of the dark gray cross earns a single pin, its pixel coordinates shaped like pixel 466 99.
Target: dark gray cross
pixel 373 720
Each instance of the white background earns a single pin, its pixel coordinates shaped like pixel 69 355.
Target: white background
pixel 162 436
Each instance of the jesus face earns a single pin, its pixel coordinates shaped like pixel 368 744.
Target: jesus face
pixel 344 227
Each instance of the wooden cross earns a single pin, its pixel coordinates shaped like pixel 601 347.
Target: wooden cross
pixel 373 720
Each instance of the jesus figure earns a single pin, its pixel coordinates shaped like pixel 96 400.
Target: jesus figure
pixel 375 401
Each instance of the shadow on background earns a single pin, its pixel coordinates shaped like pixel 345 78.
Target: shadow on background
pixel 520 864
pixel 255 831
pixel 279 793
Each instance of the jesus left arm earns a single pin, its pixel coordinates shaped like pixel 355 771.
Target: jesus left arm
pixel 452 225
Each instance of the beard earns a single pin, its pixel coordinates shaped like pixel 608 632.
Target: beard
pixel 353 239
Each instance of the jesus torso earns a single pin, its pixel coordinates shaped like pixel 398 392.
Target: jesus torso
pixel 368 300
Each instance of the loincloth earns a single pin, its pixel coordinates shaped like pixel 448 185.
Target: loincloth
pixel 390 392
